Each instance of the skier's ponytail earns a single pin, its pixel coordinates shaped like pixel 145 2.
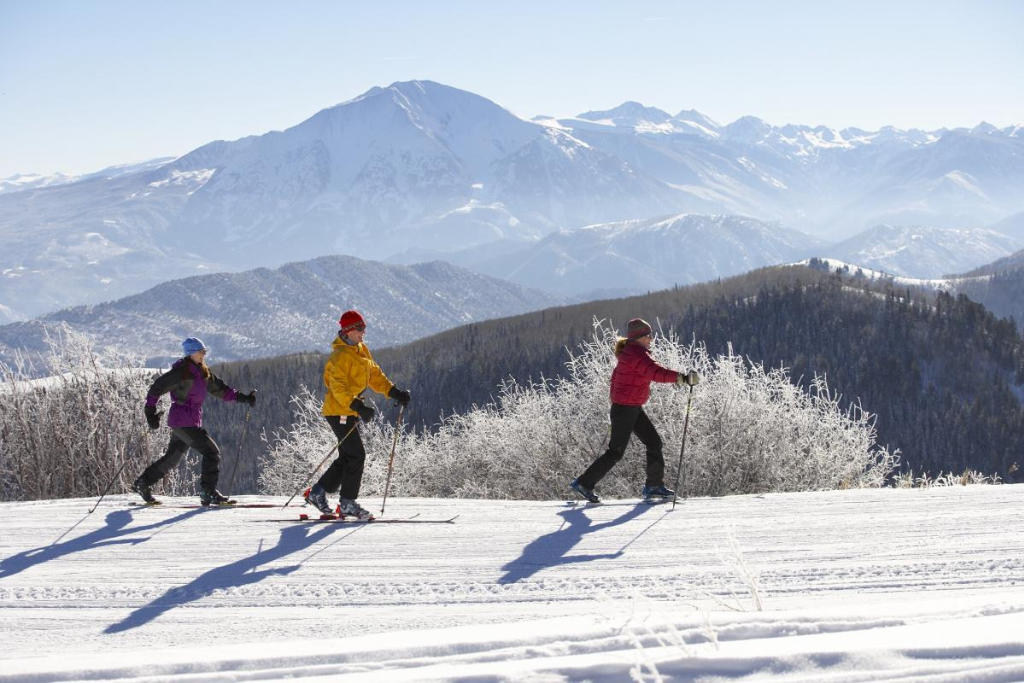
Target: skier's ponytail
pixel 204 369
pixel 620 344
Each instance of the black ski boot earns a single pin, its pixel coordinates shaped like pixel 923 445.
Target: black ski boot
pixel 142 488
pixel 317 497
pixel 209 497
pixel 350 508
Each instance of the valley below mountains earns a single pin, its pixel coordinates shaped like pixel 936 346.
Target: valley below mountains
pixel 264 312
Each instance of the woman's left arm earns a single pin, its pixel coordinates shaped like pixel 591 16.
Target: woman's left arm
pixel 215 386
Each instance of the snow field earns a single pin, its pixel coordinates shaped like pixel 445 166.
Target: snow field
pixel 860 585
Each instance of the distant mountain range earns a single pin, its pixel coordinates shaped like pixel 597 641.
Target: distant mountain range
pixel 648 255
pixel 422 166
pixel 293 308
pixel 32 181
pixel 924 252
pixel 630 257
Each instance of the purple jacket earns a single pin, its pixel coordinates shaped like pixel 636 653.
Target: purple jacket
pixel 188 390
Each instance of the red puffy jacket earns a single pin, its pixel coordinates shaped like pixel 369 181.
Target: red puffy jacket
pixel 632 376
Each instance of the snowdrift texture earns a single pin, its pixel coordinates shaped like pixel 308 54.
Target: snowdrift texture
pixel 859 585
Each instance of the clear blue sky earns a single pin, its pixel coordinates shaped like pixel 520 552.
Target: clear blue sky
pixel 87 84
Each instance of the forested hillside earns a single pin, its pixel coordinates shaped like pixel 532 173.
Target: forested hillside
pixel 942 374
pixel 1002 293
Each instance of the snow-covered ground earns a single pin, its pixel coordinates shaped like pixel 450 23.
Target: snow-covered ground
pixel 865 585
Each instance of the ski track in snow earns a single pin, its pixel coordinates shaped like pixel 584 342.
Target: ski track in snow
pixel 867 585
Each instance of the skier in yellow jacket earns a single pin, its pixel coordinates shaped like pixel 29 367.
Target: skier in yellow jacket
pixel 349 372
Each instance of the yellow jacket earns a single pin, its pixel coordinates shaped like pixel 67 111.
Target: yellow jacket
pixel 348 372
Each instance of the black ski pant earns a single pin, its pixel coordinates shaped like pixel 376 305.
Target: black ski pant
pixel 626 421
pixel 346 472
pixel 183 438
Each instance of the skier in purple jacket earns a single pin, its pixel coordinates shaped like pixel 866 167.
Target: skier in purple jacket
pixel 188 381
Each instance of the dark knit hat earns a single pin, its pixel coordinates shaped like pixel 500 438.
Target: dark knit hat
pixel 351 320
pixel 636 328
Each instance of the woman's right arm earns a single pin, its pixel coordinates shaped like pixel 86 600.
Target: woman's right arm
pixel 162 385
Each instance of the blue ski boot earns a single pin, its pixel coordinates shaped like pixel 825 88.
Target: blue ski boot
pixel 584 491
pixel 657 494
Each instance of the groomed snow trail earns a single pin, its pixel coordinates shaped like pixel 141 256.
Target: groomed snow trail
pixel 871 585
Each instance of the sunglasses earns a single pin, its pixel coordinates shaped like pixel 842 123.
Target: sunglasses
pixel 359 328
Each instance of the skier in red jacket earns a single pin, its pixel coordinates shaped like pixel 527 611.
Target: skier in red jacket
pixel 631 387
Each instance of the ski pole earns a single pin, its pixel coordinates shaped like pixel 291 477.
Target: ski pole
pixel 682 448
pixel 116 476
pixel 329 453
pixel 234 467
pixel 391 460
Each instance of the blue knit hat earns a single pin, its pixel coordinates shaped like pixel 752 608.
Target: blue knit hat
pixel 193 344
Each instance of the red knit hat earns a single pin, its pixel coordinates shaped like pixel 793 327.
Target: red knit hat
pixel 636 328
pixel 351 320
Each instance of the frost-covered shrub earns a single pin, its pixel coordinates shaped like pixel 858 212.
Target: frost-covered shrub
pixel 69 434
pixel 751 430
pixel 908 480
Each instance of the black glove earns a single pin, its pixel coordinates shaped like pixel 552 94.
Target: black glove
pixel 366 413
pixel 153 417
pixel 248 399
pixel 401 395
pixel 691 378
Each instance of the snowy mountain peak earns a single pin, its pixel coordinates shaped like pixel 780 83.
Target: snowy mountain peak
pixel 748 129
pixel 629 114
pixel 635 117
pixel 694 116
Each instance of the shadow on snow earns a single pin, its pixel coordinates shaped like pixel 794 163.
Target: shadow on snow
pixel 112 534
pixel 552 550
pixel 241 573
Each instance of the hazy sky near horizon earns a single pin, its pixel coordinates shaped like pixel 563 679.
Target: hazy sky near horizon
pixel 88 84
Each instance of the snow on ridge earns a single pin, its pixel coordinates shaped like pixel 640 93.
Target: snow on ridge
pixel 30 181
pixel 199 177
pixel 944 284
